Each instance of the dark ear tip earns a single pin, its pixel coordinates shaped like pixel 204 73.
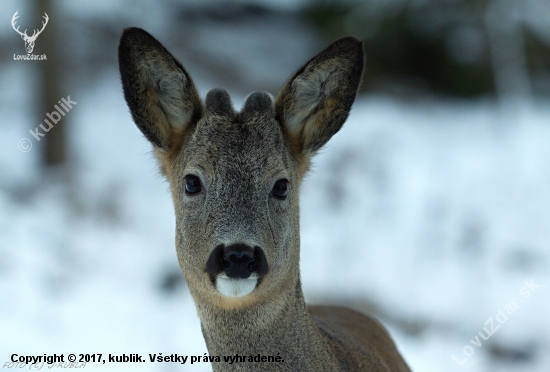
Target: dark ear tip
pixel 351 40
pixel 135 39
pixel 134 33
pixel 128 31
pixel 350 44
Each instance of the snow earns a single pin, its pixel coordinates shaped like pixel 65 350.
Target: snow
pixel 441 212
pixel 433 212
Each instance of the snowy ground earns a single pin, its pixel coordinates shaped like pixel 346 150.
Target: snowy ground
pixel 431 214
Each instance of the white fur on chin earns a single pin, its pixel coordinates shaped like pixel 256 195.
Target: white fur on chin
pixel 232 287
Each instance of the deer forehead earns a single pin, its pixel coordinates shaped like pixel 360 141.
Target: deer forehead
pixel 227 144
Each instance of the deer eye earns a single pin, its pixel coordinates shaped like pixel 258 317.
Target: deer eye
pixel 280 189
pixel 192 185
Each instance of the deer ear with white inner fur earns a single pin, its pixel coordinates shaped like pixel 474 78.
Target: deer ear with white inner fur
pixel 315 102
pixel 160 94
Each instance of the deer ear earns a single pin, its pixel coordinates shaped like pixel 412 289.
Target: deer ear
pixel 315 102
pixel 160 94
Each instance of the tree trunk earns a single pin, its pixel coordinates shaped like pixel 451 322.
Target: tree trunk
pixel 55 146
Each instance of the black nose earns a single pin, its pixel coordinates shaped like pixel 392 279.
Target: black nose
pixel 237 261
pixel 238 264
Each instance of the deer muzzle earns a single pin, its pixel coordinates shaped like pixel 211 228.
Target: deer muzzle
pixel 235 270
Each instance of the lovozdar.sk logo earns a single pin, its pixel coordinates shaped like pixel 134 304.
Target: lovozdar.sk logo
pixel 29 40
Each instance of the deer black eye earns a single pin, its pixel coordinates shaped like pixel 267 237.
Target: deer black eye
pixel 280 189
pixel 192 185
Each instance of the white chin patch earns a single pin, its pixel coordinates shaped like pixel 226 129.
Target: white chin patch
pixel 232 287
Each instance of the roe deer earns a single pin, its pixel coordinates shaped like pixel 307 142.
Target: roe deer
pixel 235 180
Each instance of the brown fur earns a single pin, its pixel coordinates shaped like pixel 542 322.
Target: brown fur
pixel 238 157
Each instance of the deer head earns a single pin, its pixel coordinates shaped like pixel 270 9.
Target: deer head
pixel 235 176
pixel 29 40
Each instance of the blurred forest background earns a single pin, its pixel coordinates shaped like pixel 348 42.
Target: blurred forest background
pixel 466 81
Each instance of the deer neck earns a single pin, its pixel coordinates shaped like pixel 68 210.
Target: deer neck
pixel 281 327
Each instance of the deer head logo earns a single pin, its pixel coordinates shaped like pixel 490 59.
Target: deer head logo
pixel 29 40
